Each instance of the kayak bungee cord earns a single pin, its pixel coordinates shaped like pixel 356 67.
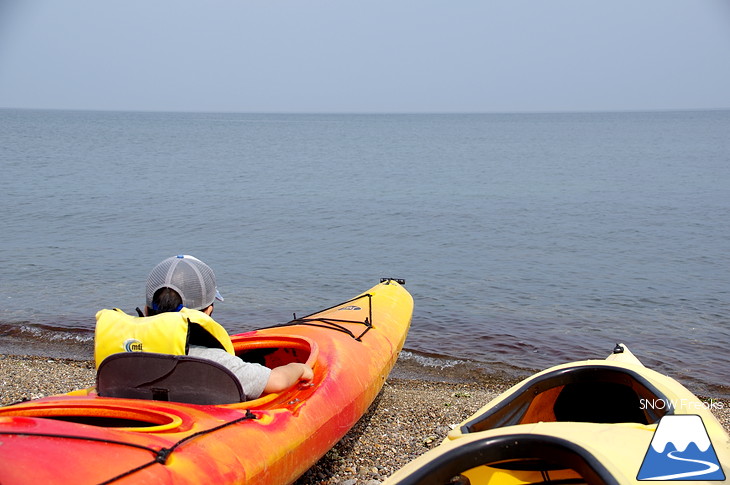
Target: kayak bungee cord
pixel 161 455
pixel 334 323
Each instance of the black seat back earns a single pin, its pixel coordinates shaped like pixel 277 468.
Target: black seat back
pixel 163 377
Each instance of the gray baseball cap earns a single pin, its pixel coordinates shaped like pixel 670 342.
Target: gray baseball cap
pixel 191 278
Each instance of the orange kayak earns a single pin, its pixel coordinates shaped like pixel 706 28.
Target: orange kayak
pixel 83 438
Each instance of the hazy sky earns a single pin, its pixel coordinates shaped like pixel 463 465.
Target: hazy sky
pixel 365 56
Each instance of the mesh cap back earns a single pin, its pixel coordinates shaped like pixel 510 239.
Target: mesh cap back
pixel 191 278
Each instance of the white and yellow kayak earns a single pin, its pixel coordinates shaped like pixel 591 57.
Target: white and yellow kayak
pixel 593 421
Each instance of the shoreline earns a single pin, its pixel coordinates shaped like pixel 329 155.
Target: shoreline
pixel 411 364
pixel 409 416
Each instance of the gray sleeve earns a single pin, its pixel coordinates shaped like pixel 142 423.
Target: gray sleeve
pixel 253 377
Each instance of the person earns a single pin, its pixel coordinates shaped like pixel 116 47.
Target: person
pixel 181 292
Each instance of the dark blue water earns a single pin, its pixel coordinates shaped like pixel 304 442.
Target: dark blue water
pixel 527 240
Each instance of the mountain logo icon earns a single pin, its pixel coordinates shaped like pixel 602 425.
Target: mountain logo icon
pixel 681 450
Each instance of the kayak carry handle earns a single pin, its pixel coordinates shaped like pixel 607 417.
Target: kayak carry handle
pixel 400 281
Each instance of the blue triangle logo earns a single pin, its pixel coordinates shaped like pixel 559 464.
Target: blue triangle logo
pixel 681 450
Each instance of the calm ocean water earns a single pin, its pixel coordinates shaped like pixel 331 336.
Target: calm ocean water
pixel 527 240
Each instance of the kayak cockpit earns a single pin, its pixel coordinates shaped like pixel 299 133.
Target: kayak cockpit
pixel 593 393
pixel 513 458
pixel 274 351
pixel 94 413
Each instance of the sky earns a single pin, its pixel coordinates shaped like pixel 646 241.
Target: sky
pixel 388 56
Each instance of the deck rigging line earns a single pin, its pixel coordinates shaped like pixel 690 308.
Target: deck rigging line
pixel 335 323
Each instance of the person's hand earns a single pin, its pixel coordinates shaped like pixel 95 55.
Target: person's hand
pixel 285 376
pixel 307 374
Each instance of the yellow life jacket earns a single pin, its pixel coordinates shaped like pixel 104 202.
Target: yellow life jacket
pixel 165 333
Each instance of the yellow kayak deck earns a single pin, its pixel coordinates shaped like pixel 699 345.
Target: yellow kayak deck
pixel 582 422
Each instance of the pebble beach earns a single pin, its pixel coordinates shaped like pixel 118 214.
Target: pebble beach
pixel 408 417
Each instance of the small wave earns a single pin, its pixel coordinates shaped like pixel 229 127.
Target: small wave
pixel 434 362
pixel 56 335
pixel 25 338
pixel 416 365
pixel 45 333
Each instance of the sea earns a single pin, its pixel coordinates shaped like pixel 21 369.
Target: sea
pixel 527 240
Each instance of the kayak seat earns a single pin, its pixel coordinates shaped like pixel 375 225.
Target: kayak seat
pixel 599 402
pixel 595 393
pixel 163 377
